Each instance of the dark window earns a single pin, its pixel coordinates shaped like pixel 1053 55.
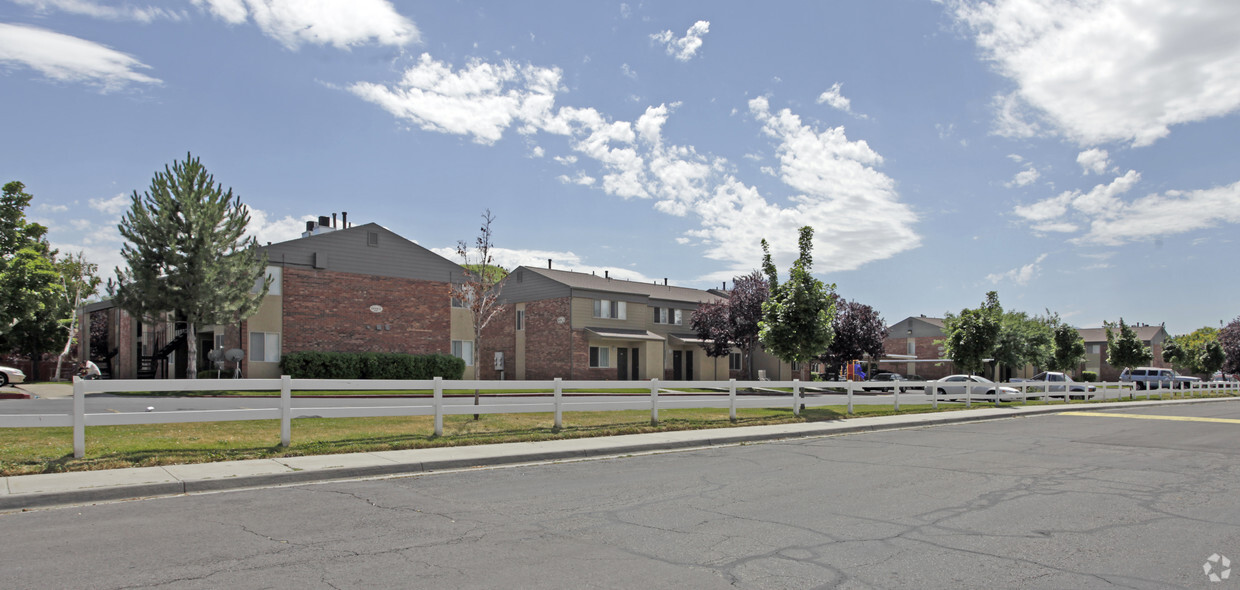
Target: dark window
pixel 372 239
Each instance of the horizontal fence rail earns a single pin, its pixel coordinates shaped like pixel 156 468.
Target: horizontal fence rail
pixel 554 396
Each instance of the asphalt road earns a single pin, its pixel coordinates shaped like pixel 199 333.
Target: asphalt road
pixel 1062 501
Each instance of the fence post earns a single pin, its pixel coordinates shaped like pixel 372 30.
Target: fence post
pixel 850 394
pixel 286 410
pixel 796 397
pixel 559 417
pixel 1024 394
pixel 654 402
pixel 732 400
pixel 438 406
pixel 933 393
pixel 895 392
pixel 79 418
pixel 968 394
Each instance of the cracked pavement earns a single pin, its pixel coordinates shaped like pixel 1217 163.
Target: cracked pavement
pixel 1042 502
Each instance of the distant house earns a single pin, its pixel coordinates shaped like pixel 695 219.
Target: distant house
pixel 349 289
pixel 914 347
pixel 574 325
pixel 1154 337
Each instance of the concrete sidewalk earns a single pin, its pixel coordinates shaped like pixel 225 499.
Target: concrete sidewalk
pixel 84 487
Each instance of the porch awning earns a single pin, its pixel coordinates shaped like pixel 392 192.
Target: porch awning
pixel 624 334
pixel 684 339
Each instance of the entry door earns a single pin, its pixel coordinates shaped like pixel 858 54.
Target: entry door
pixel 622 364
pixel 688 365
pixel 636 374
pixel 677 365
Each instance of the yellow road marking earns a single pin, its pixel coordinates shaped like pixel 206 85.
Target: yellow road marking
pixel 1149 417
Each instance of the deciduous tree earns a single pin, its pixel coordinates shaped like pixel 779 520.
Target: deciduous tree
pixel 1229 339
pixel 80 280
pixel 733 322
pixel 29 288
pixel 1069 349
pixel 859 332
pixel 796 319
pixel 187 254
pixel 971 337
pixel 1125 349
pixel 480 287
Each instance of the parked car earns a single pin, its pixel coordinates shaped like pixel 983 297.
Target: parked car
pixel 9 375
pixel 915 378
pixel 953 388
pixel 1057 382
pixel 1220 376
pixel 884 378
pixel 1156 378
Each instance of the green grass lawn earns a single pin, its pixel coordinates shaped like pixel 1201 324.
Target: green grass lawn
pixel 50 450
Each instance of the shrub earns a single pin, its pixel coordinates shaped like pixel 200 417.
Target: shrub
pixel 1089 376
pixel 370 365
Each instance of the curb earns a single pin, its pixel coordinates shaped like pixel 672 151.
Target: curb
pixel 496 455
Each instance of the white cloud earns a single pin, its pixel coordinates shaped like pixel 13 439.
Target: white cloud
pixel 511 258
pixel 1101 201
pixel 1094 160
pixel 838 101
pixel 1016 158
pixel 835 183
pixel 481 100
pixel 1173 212
pixel 93 9
pixel 46 208
pixel 1098 72
pixel 1112 221
pixel 1021 275
pixel 684 48
pixel 264 229
pixel 537 152
pixel 1025 177
pixel 69 59
pixel 320 22
pixel 628 72
pixel 581 178
pixel 112 207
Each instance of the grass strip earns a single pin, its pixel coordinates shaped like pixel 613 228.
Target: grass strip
pixel 25 451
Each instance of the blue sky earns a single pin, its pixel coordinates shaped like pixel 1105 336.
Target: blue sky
pixel 1074 156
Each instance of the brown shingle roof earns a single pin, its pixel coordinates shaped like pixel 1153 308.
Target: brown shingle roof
pixel 580 280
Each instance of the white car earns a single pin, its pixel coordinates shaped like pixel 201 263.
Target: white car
pixel 9 375
pixel 953 388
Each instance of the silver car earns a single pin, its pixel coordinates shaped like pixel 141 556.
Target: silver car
pixel 9 375
pixel 953 388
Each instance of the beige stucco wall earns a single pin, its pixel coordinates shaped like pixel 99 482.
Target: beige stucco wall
pixel 636 316
pixel 268 318
pixel 462 328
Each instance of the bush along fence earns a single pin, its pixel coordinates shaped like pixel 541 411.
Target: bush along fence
pixel 507 397
pixel 371 365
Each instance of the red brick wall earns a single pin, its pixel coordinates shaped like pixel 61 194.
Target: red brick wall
pixel 925 348
pixel 551 348
pixel 499 335
pixel 330 311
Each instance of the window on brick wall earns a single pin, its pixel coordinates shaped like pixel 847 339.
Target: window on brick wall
pixel 264 347
pixel 912 348
pixel 520 319
pixel 464 350
pixel 600 357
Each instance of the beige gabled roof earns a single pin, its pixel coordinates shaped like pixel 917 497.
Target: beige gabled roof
pixel 1145 333
pixel 580 280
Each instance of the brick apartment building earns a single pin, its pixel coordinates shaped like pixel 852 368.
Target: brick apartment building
pixel 349 289
pixel 575 325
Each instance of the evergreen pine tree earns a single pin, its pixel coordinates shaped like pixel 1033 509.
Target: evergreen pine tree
pixel 187 254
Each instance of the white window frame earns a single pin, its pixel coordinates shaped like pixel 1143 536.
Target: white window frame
pixel 677 317
pixel 464 350
pixel 610 309
pixel 601 359
pixel 270 350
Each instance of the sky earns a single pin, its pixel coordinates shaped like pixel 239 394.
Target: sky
pixel 1075 156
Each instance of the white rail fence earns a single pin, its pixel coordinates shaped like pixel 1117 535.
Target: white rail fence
pixel 506 397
